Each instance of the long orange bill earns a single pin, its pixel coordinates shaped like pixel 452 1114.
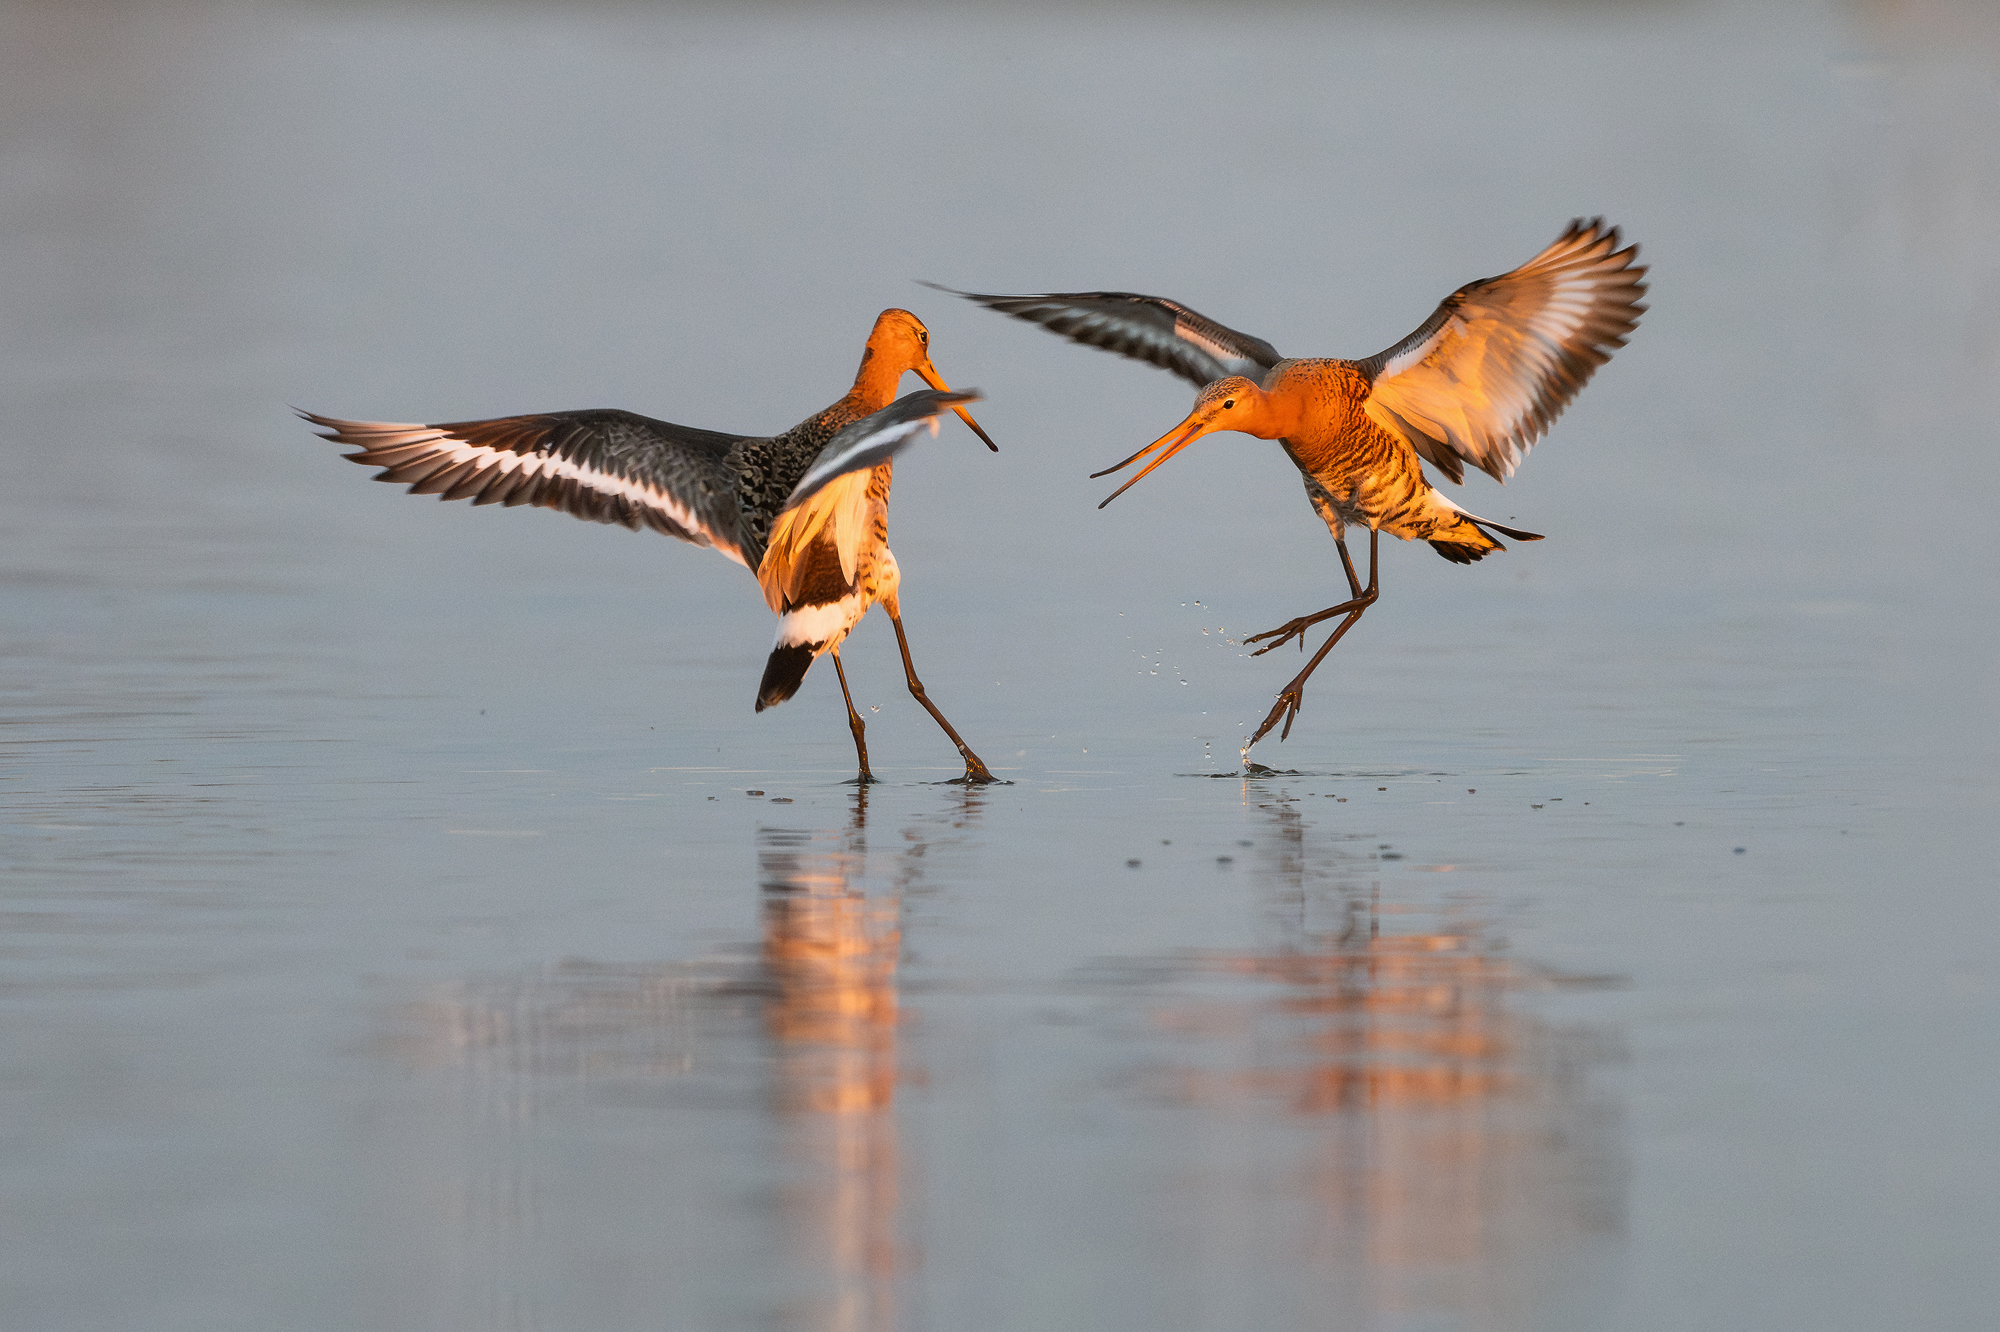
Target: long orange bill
pixel 930 376
pixel 1182 435
pixel 1121 466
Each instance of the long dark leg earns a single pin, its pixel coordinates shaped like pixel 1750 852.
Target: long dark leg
pixel 853 720
pixel 1292 694
pixel 1360 600
pixel 975 771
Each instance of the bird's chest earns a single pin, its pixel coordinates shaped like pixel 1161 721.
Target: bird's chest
pixel 1353 466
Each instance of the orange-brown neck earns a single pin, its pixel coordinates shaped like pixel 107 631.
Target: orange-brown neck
pixel 897 344
pixel 882 370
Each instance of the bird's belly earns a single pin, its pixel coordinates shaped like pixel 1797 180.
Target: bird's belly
pixel 1394 500
pixel 1363 478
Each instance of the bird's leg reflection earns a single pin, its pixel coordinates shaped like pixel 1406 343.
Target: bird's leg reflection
pixel 830 953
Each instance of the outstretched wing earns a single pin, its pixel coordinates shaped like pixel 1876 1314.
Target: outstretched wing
pixel 1146 328
pixel 1499 360
pixel 876 438
pixel 605 465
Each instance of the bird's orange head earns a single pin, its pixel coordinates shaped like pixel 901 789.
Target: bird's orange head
pixel 1228 404
pixel 899 343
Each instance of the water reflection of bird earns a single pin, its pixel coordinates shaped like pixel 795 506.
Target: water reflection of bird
pixel 800 1034
pixel 830 956
pixel 1452 1126
pixel 807 511
pixel 830 952
pixel 1478 383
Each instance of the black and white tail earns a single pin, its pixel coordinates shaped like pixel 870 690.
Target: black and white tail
pixel 784 671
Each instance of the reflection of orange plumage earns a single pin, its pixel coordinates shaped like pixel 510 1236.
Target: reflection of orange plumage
pixel 1414 1019
pixel 832 963
pixel 1444 1110
pixel 1440 1123
pixel 821 1007
pixel 830 955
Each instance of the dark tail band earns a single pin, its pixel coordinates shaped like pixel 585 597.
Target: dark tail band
pixel 784 672
pixel 1458 552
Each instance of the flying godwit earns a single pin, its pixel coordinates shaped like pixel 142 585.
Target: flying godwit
pixel 806 511
pixel 1478 383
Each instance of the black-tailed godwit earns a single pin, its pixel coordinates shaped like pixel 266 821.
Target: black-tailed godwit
pixel 806 511
pixel 1478 383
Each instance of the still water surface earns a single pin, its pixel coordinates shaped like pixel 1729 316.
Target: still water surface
pixel 405 921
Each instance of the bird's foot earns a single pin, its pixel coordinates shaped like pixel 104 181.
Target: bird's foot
pixel 1291 629
pixel 1284 634
pixel 976 774
pixel 865 779
pixel 1287 708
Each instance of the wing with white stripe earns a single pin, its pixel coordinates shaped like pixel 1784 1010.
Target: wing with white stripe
pixel 1146 328
pixel 1499 360
pixel 605 465
pixel 877 438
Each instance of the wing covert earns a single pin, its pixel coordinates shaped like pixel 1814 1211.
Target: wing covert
pixel 1145 328
pixel 1500 358
pixel 605 465
pixel 876 438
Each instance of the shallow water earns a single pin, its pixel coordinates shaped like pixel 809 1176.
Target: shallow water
pixel 408 922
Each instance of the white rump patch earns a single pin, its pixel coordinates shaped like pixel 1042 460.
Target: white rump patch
pixel 820 627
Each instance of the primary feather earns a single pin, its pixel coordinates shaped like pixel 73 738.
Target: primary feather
pixel 1146 328
pixel 1500 358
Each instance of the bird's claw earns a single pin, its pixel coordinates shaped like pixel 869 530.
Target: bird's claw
pixel 1282 635
pixel 976 772
pixel 1286 707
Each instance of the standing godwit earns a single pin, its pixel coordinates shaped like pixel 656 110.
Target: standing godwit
pixel 1478 383
pixel 806 511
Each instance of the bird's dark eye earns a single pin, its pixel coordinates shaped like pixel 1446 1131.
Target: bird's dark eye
pixel 1228 403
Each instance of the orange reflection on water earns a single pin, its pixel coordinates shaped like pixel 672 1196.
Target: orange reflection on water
pixel 1413 1019
pixel 830 954
pixel 1451 1131
pixel 813 1004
